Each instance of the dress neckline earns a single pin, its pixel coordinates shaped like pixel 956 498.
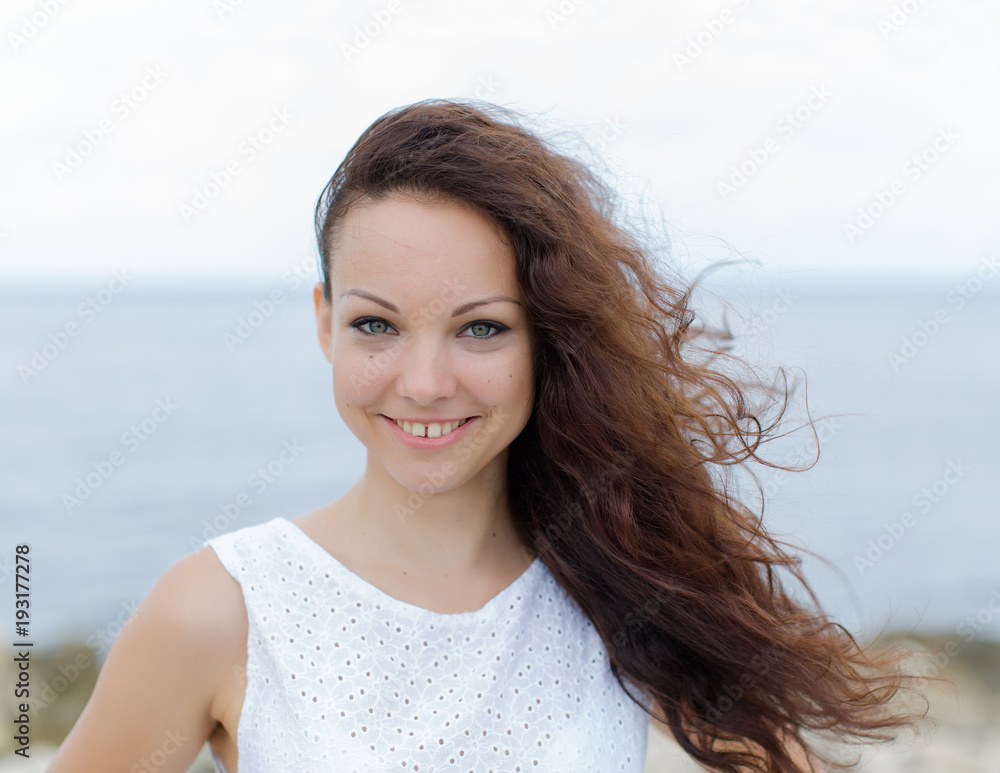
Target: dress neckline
pixel 489 609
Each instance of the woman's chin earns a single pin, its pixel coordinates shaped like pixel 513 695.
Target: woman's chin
pixel 422 480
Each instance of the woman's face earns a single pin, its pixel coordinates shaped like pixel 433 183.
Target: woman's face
pixel 427 325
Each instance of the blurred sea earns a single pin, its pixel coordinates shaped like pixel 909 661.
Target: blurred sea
pixel 902 501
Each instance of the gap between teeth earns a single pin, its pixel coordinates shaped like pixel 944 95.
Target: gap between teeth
pixel 430 430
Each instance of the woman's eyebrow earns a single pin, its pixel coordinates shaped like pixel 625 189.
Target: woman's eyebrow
pixel 458 311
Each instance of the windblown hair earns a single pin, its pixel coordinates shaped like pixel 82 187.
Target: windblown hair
pixel 610 481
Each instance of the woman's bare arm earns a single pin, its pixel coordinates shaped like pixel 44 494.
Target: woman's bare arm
pixel 152 706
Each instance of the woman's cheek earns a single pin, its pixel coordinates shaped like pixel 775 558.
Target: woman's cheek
pixel 348 377
pixel 363 372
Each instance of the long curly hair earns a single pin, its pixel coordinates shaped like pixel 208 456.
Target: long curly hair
pixel 611 481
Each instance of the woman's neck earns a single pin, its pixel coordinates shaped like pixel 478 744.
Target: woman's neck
pixel 463 532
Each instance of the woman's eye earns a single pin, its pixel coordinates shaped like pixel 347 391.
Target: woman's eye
pixel 481 329
pixel 379 326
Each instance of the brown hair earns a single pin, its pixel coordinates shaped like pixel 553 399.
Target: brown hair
pixel 610 482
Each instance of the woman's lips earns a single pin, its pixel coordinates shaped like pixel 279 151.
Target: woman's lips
pixel 414 441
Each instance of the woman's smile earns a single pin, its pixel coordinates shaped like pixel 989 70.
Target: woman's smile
pixel 430 435
pixel 429 427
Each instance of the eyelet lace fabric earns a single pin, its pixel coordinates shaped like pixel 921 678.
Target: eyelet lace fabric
pixel 342 676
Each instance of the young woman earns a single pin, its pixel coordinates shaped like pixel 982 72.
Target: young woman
pixel 538 557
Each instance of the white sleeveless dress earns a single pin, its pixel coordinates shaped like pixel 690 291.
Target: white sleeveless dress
pixel 343 677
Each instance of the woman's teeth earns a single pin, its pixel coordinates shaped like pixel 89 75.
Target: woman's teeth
pixel 434 429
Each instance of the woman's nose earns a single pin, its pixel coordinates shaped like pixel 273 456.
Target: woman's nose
pixel 425 370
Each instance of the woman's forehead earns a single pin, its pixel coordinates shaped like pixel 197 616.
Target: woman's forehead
pixel 417 221
pixel 401 241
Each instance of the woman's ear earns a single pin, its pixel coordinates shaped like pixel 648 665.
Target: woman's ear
pixel 324 321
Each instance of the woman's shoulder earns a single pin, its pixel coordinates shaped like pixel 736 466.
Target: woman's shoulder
pixel 201 601
pixel 222 621
pixel 199 606
pixel 204 592
pixel 196 607
pixel 171 666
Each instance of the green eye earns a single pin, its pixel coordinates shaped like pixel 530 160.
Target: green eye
pixel 482 327
pixel 359 325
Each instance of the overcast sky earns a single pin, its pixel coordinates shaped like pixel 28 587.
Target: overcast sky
pixel 816 138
